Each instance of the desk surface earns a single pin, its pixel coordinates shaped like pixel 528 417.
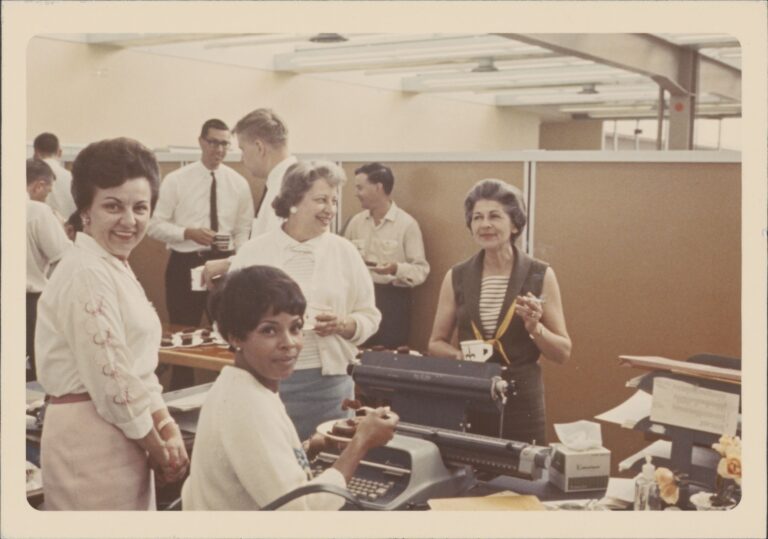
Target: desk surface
pixel 212 358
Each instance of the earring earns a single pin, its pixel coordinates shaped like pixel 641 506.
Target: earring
pixel 293 209
pixel 86 220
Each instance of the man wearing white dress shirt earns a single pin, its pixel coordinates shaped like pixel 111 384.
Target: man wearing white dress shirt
pixel 46 243
pixel 391 244
pixel 197 203
pixel 48 149
pixel 263 139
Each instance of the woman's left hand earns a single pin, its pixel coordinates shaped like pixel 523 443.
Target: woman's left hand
pixel 178 459
pixel 530 309
pixel 329 324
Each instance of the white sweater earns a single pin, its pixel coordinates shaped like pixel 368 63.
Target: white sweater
pixel 247 452
pixel 340 281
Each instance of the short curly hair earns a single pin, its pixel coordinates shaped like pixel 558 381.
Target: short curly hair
pixel 509 196
pixel 248 294
pixel 298 181
pixel 110 163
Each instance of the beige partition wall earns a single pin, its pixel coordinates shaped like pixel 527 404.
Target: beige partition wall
pixel 434 194
pixel 649 262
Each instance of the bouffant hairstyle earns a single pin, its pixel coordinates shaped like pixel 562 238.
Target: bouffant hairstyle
pixel 509 196
pixel 110 163
pixel 248 294
pixel 298 181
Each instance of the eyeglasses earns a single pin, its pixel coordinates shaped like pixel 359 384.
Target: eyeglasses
pixel 223 144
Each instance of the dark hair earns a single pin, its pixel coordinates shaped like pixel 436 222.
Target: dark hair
pixel 248 294
pixel 378 173
pixel 213 123
pixel 509 196
pixel 75 221
pixel 298 180
pixel 46 144
pixel 263 124
pixel 38 169
pixel 110 163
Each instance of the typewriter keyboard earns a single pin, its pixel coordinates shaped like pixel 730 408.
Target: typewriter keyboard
pixel 367 489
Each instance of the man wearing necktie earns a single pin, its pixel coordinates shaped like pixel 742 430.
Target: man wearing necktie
pixel 204 212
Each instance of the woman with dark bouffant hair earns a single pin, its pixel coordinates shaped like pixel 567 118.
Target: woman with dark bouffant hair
pixel 247 452
pixel 106 427
pixel 341 310
pixel 506 298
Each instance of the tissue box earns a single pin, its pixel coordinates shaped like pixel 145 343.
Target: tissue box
pixel 574 471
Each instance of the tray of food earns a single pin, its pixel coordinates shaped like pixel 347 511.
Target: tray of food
pixel 192 337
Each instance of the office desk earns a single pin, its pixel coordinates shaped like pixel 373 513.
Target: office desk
pixel 212 358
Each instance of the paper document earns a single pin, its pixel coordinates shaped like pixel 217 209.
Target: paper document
pixel 683 367
pixel 629 412
pixel 488 503
pixel 690 406
pixel 187 402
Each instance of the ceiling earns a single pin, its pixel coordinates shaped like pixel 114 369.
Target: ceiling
pixel 555 76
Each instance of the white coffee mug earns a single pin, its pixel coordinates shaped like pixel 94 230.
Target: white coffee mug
pixel 222 242
pixel 476 350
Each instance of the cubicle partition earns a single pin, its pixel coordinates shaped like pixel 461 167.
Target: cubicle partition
pixel 646 247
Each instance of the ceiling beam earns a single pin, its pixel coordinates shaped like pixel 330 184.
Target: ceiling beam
pixel 645 54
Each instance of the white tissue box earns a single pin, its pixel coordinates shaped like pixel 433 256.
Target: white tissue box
pixel 574 471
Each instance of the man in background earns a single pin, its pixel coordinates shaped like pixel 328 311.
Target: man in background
pixel 263 139
pixel 48 149
pixel 204 212
pixel 390 242
pixel 46 243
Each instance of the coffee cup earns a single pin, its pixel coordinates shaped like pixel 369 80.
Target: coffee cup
pixel 478 351
pixel 222 242
pixel 314 309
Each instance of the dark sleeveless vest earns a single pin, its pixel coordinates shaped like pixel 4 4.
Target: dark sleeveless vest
pixel 527 276
pixel 524 413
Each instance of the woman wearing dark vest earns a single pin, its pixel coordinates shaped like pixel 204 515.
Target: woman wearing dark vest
pixel 509 299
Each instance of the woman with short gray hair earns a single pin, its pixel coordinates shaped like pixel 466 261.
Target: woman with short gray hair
pixel 508 299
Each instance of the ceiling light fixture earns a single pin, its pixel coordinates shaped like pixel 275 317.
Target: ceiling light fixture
pixel 485 65
pixel 588 89
pixel 328 38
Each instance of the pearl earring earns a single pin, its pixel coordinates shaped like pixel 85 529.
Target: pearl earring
pixel 293 210
pixel 86 220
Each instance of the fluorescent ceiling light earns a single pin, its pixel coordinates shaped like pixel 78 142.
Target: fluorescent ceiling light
pixel 361 56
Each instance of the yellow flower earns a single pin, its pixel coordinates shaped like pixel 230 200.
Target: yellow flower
pixel 728 446
pixel 729 467
pixel 668 488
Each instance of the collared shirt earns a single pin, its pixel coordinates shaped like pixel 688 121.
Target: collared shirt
pixel 97 333
pixel 60 197
pixel 46 243
pixel 340 281
pixel 247 452
pixel 267 219
pixel 397 238
pixel 185 202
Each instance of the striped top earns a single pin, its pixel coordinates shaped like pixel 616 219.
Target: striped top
pixel 300 265
pixel 492 292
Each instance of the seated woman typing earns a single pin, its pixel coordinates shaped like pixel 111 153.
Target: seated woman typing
pixel 247 452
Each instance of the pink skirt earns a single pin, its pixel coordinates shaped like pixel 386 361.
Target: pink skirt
pixel 89 464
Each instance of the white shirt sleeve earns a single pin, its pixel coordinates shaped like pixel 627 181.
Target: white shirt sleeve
pixel 51 238
pixel 415 269
pixel 362 303
pixel 162 227
pixel 244 217
pixel 91 323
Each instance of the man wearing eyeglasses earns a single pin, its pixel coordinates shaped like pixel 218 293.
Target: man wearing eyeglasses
pixel 204 212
